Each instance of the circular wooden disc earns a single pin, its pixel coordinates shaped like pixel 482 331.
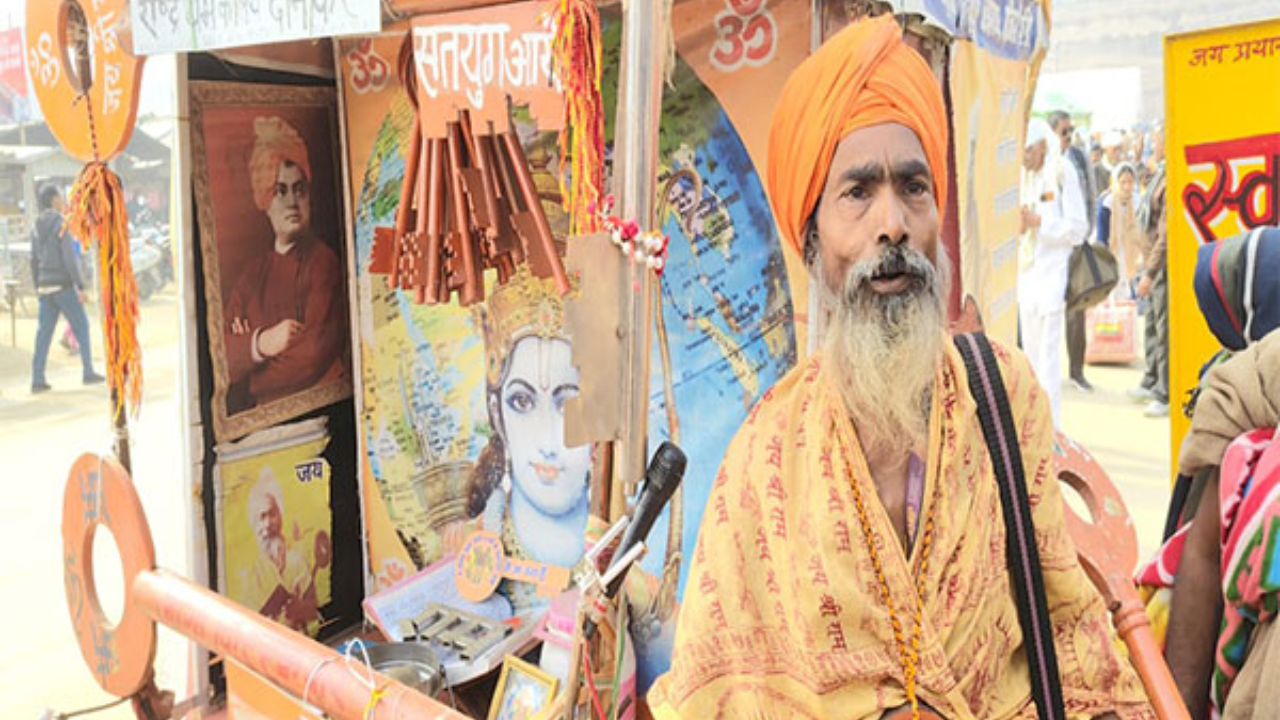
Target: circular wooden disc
pixel 100 493
pixel 1107 542
pixel 115 75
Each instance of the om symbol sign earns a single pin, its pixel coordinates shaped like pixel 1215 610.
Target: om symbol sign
pixel 747 35
pixel 45 67
pixel 369 71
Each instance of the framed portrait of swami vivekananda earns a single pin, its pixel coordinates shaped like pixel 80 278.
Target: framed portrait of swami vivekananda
pixel 266 172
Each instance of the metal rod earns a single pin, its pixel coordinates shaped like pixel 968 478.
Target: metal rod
pixel 285 658
pixel 635 168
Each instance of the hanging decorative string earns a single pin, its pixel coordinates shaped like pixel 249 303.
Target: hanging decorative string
pixel 97 213
pixel 576 60
pixel 647 247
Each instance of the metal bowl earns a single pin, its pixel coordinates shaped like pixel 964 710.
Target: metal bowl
pixel 411 663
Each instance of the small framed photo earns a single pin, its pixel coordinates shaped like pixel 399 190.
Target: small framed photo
pixel 523 692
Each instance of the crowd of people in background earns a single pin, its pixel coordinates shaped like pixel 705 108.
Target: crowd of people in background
pixel 1213 588
pixel 1105 188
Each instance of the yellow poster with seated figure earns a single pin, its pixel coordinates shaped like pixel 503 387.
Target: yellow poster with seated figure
pixel 1223 150
pixel 276 525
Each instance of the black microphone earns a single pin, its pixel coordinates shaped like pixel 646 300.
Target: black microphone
pixel 661 479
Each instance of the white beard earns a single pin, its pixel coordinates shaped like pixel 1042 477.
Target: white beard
pixel 274 548
pixel 884 350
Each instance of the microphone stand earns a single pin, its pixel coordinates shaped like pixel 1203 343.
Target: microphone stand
pixel 595 607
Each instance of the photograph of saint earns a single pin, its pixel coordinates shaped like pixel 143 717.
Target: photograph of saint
pixel 276 525
pixel 283 321
pixel 283 574
pixel 527 486
pixel 266 193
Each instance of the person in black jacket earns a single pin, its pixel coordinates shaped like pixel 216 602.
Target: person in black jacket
pixel 55 269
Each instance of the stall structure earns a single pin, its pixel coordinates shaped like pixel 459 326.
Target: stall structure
pixel 443 301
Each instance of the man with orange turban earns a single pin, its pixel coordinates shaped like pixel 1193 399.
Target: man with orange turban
pixel 851 562
pixel 285 317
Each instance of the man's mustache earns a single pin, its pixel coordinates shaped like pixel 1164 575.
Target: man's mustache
pixel 897 260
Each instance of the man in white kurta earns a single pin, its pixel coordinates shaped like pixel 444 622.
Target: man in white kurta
pixel 1053 222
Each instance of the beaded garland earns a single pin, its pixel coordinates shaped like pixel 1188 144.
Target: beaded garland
pixel 908 654
pixel 648 247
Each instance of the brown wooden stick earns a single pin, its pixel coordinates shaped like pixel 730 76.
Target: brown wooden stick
pixel 505 196
pixel 460 236
pixel 602 480
pixel 407 187
pixel 434 234
pixel 543 240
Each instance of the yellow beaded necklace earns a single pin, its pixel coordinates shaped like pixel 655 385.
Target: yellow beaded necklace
pixel 908 655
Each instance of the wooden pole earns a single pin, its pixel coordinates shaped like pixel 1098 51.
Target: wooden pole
pixel 635 168
pixel 121 427
pixel 295 663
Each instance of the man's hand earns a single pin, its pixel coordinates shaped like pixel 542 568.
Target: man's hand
pixel 1030 219
pixel 239 326
pixel 275 339
pixel 84 296
pixel 1144 286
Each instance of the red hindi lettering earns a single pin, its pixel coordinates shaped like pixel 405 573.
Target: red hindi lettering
pixel 1250 195
pixel 762 545
pixel 818 571
pixel 779 519
pixel 844 542
pixel 775 489
pixel 835 633
pixel 828 607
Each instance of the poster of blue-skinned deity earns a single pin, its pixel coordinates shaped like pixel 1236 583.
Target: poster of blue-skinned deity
pixel 461 406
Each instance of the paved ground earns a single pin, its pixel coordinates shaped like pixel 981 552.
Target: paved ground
pixel 1132 448
pixel 40 664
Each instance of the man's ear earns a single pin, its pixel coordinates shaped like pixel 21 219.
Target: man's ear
pixel 810 251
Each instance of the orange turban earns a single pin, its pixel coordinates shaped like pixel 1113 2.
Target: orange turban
pixel 275 142
pixel 863 76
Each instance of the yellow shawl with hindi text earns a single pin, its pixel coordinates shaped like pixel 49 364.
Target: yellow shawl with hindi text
pixel 783 618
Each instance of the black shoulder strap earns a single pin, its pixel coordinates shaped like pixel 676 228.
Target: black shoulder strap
pixel 1020 539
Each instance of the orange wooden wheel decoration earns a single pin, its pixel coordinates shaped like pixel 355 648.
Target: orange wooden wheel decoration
pixel 99 492
pixel 1107 542
pixel 114 74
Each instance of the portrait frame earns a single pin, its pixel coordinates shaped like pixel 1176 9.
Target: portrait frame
pixel 232 229
pixel 518 674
